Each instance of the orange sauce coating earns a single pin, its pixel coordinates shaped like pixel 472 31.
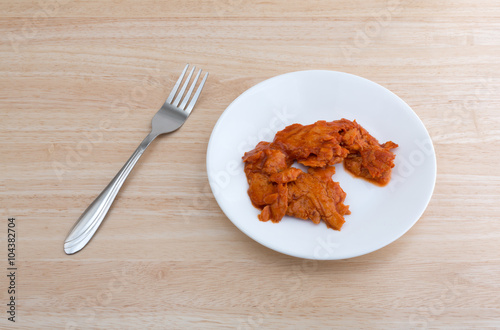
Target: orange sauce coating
pixel 278 189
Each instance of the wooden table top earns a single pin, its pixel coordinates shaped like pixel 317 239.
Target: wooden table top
pixel 166 256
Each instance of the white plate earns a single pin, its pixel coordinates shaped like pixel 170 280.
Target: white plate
pixel 379 216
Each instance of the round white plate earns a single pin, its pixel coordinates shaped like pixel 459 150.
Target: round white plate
pixel 379 216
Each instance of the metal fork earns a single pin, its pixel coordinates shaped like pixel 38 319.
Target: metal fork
pixel 169 118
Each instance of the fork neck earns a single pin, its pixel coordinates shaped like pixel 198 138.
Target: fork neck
pixel 147 140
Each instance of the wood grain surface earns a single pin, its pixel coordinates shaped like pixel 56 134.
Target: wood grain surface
pixel 79 82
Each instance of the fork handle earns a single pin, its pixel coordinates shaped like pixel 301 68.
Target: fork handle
pixel 91 219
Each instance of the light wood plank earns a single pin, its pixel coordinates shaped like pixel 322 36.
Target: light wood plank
pixel 167 256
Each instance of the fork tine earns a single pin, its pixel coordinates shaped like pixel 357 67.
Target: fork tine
pixel 179 96
pixel 177 84
pixel 188 95
pixel 196 95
